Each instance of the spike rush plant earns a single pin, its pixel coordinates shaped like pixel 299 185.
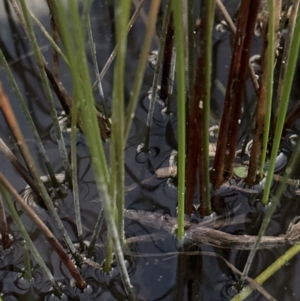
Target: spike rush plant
pixel 211 152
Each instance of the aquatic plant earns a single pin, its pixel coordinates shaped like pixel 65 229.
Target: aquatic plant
pixel 185 56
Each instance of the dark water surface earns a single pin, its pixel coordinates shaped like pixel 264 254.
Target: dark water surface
pixel 156 269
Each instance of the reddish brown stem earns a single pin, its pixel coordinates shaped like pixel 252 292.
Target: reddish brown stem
pixel 195 155
pixel 12 123
pixel 234 123
pixel 226 144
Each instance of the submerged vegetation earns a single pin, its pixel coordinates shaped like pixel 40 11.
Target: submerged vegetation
pixel 212 153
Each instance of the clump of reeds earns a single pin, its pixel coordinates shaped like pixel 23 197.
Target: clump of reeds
pixel 182 55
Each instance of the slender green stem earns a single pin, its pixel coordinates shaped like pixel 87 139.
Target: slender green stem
pixel 74 132
pixel 181 100
pixel 269 86
pixel 286 50
pixel 267 273
pixel 96 68
pixel 27 264
pixel 48 36
pixel 83 98
pixel 41 63
pixel 291 65
pixel 117 119
pixel 28 117
pixel 141 67
pixel 95 234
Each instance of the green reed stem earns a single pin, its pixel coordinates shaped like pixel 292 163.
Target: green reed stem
pixel 138 80
pixel 291 64
pixel 95 234
pixel 181 107
pixel 282 260
pixel 118 111
pixel 28 117
pixel 10 205
pixel 287 48
pixel 210 12
pixel 27 264
pixel 267 273
pixel 95 63
pixel 74 132
pixel 41 63
pixel 269 84
pixel 83 97
pixel 156 74
pixel 293 161
pixel 48 36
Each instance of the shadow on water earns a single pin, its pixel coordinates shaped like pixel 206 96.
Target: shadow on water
pixel 158 268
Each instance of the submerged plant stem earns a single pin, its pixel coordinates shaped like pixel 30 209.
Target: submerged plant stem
pixel 25 235
pixel 5 185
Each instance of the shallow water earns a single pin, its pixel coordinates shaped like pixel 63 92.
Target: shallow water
pixel 157 270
